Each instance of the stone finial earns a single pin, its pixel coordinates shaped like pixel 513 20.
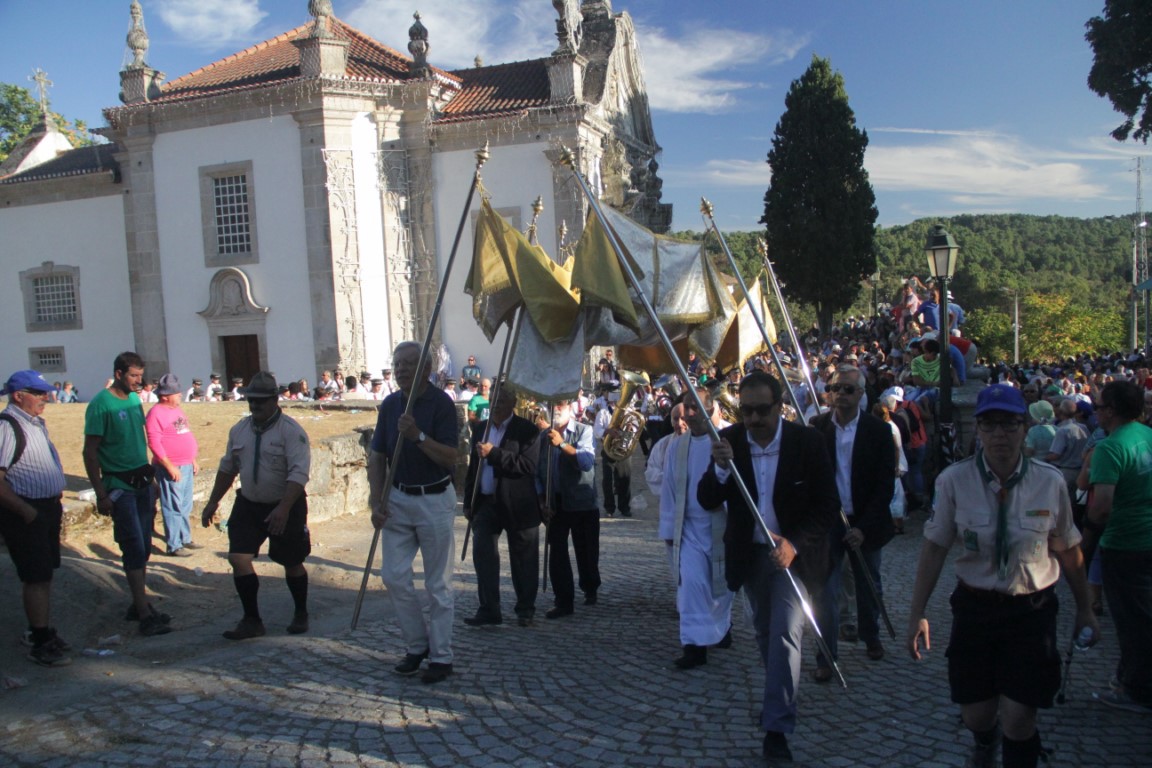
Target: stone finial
pixel 418 46
pixel 321 11
pixel 478 61
pixel 137 37
pixel 569 27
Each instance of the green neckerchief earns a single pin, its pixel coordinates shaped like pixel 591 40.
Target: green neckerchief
pixel 1001 491
pixel 260 429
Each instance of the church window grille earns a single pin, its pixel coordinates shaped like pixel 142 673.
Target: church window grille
pixel 51 298
pixel 228 215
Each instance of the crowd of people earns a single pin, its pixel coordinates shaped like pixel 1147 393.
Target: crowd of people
pixel 785 488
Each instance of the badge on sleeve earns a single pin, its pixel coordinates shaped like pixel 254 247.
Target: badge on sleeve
pixel 971 541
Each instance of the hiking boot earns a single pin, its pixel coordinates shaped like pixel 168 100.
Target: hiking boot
pixel 133 615
pixel 153 625
pixel 48 655
pixel 299 623
pixel 58 642
pixel 246 629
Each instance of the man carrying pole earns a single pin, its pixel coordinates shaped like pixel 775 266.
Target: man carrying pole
pixel 420 511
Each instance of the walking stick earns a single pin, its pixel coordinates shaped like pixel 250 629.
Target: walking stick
pixel 859 556
pixel 568 159
pixel 482 155
pixel 547 502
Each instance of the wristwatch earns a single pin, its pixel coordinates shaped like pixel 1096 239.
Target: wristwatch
pixel 421 437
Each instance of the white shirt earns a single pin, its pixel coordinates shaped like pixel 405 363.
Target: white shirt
pixel 765 461
pixel 845 438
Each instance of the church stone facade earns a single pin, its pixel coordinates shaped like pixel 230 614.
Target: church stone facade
pixel 293 206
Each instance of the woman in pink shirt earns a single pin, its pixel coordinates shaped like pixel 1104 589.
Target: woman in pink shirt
pixel 174 452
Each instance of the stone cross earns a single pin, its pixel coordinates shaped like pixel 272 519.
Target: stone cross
pixel 40 77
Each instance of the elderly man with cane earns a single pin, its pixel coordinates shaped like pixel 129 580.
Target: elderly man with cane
pixel 1013 516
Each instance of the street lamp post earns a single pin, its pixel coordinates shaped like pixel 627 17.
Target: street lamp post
pixel 941 249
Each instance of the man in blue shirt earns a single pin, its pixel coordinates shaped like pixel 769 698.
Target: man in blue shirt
pixel 420 512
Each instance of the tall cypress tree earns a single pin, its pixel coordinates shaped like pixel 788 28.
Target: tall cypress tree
pixel 820 211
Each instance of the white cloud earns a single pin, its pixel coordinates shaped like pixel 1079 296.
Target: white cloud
pixel 720 173
pixel 692 73
pixel 211 23
pixel 989 169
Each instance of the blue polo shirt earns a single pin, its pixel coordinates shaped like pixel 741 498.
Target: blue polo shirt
pixel 435 414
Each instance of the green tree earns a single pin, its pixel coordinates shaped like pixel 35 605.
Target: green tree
pixel 1121 42
pixel 20 113
pixel 820 211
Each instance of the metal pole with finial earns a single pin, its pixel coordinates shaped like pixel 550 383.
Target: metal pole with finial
pixel 482 156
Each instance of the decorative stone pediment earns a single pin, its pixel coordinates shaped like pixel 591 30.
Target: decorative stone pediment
pixel 230 298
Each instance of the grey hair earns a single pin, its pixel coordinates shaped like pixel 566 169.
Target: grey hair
pixel 847 369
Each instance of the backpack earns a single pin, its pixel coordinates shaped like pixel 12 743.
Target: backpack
pixel 18 433
pixel 918 436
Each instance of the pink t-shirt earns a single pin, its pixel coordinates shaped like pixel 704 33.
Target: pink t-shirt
pixel 170 436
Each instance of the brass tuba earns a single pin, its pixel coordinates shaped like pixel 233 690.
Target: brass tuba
pixel 729 408
pixel 623 433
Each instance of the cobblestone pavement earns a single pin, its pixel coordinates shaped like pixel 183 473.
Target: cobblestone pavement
pixel 594 689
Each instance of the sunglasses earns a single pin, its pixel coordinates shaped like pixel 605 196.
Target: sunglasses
pixel 1007 427
pixel 848 389
pixel 759 410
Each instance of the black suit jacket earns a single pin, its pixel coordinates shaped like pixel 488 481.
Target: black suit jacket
pixel 804 498
pixel 514 465
pixel 873 475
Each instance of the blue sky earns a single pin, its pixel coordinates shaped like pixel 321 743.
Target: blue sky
pixel 978 106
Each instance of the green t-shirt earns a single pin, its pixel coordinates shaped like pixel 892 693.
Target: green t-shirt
pixel 120 425
pixel 929 371
pixel 1124 459
pixel 479 405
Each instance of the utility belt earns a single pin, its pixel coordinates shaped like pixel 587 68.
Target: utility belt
pixel 422 490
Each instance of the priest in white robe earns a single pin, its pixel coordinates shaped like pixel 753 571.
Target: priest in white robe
pixel 696 539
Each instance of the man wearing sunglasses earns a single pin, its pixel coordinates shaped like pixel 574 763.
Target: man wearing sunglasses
pixel 1013 518
pixel 790 479
pixel 860 446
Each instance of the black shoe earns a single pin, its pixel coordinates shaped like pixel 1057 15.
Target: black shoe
pixel 191 545
pixel 479 620
pixel 776 747
pixel 246 629
pixel 48 655
pixel 849 633
pixel 133 615
pixel 694 656
pixel 525 621
pixel 609 512
pixel 559 612
pixel 299 623
pixel 589 598
pixel 726 641
pixel 436 672
pixel 875 650
pixel 625 514
pixel 410 665
pixel 153 625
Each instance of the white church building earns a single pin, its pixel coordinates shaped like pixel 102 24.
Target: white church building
pixel 292 207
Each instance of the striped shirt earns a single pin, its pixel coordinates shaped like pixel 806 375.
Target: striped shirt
pixel 38 474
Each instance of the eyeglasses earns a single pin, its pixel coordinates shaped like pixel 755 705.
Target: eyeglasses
pixel 35 392
pixel 848 389
pixel 1007 427
pixel 759 410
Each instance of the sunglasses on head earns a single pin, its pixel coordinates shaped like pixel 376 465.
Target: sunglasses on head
pixel 848 389
pixel 759 410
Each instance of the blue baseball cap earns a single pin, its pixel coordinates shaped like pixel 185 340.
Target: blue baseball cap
pixel 1000 397
pixel 28 379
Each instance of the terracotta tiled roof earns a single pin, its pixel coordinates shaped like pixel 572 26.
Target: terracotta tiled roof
pixel 278 60
pixel 498 90
pixel 77 162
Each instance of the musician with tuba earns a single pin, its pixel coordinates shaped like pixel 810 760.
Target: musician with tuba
pixel 617 431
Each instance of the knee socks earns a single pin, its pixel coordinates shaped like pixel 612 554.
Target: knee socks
pixel 1022 754
pixel 298 586
pixel 248 587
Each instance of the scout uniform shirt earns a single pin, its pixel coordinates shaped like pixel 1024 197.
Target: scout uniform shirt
pixel 1038 521
pixel 268 458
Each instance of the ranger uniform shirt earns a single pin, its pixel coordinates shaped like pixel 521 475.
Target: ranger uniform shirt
pixel 284 456
pixel 1039 518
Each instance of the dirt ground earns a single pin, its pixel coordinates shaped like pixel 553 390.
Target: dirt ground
pixel 89 595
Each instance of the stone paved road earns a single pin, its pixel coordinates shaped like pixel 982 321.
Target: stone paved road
pixel 591 690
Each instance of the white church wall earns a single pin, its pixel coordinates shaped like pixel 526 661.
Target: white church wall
pixel 279 280
pixel 514 177
pixel 370 239
pixel 88 234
